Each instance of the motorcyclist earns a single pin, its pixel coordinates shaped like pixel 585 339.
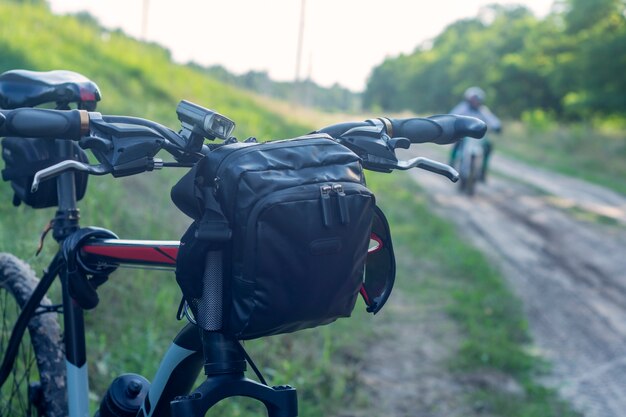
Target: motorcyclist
pixel 473 105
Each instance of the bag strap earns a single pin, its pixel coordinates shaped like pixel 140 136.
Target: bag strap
pixel 81 288
pixel 380 266
pixel 213 226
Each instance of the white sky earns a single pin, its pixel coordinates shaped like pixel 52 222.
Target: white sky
pixel 343 39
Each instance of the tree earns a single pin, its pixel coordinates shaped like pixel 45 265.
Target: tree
pixel 571 63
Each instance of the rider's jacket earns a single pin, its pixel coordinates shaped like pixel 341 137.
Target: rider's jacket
pixel 483 113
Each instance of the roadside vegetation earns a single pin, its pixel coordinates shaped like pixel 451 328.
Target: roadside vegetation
pixel 542 71
pixel 438 268
pixel 523 62
pixel 594 152
pixel 135 321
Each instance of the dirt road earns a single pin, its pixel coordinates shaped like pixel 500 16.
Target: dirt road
pixel 561 244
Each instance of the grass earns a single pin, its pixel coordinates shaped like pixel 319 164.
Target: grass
pixel 595 154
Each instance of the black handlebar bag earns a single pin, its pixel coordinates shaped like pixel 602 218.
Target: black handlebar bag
pixel 293 219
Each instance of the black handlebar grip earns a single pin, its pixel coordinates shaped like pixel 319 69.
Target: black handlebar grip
pixel 43 123
pixel 442 129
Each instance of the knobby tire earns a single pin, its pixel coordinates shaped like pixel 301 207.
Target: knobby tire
pixel 40 362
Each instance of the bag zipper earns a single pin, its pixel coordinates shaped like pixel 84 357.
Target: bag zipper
pixel 305 192
pixel 324 141
pixel 325 197
pixel 341 200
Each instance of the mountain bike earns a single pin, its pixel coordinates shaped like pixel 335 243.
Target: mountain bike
pixel 44 372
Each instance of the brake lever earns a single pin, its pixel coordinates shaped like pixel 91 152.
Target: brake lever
pixel 64 166
pixel 429 165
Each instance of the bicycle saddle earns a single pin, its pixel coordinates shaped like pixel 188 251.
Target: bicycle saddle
pixel 23 88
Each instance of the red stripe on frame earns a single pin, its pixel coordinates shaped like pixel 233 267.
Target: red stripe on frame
pixel 159 254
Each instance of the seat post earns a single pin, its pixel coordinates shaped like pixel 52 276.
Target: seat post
pixel 65 223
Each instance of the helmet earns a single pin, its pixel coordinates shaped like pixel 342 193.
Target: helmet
pixel 476 93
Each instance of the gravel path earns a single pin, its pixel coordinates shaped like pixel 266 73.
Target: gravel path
pixel 569 272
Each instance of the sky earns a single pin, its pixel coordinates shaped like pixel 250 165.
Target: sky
pixel 342 40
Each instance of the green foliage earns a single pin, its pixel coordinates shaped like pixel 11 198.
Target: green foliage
pixel 308 93
pixel 538 120
pixel 135 78
pixel 570 64
pixel 584 14
pixel 591 151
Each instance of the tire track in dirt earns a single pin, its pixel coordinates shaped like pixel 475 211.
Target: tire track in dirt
pixel 569 273
pixel 406 373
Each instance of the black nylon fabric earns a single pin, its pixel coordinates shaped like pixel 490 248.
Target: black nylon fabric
pixel 82 289
pixel 300 217
pixel 190 262
pixel 23 157
pixel 304 273
pixel 380 271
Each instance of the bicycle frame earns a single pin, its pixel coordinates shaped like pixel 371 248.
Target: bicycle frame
pixel 119 252
pixel 179 367
pixel 182 362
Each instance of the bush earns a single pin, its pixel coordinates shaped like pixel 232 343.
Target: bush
pixel 538 120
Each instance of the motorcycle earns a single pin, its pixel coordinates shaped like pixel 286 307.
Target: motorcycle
pixel 469 164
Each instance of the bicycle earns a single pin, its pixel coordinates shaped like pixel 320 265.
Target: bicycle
pixel 88 255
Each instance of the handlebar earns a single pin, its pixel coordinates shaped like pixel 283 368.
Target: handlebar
pixel 441 129
pixel 43 123
pixel 127 145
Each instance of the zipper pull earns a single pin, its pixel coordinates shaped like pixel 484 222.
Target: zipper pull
pixel 343 207
pixel 325 192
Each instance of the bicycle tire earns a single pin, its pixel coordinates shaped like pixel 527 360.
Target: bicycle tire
pixel 471 180
pixel 41 348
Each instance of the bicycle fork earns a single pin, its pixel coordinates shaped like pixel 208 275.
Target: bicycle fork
pixel 225 360
pixel 75 353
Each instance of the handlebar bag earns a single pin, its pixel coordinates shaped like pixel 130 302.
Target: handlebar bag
pixel 23 157
pixel 293 219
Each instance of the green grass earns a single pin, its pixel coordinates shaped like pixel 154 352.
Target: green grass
pixel 590 217
pixel 595 154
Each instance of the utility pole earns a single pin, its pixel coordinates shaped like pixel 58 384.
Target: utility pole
pixel 299 51
pixel 144 19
